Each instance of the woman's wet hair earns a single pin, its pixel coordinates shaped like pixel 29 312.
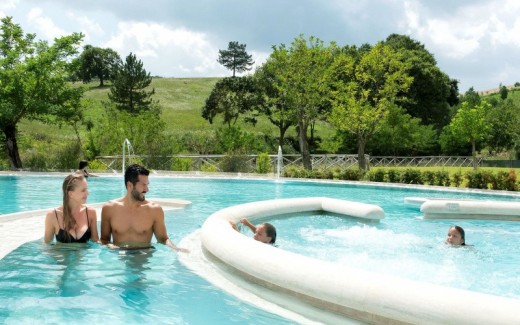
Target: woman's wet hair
pixel 270 231
pixel 69 184
pixel 132 173
pixel 461 232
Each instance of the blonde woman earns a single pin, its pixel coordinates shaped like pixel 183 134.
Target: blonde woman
pixel 73 222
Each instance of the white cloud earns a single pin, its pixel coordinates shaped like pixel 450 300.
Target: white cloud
pixel 168 52
pixel 44 24
pixel 90 28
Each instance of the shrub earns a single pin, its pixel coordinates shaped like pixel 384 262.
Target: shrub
pixel 263 163
pixel 335 172
pixel 96 165
pixel 511 184
pixel 429 177
pixel 234 163
pixel 322 173
pixel 393 176
pixel 208 168
pixel 377 175
pixel 181 164
pixel 457 179
pixel 479 179
pixel 351 174
pixel 442 178
pixel 411 176
pixel 296 172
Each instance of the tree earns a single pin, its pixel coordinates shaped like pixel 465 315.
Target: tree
pixel 401 134
pixel 503 120
pixel 274 104
pixel 469 124
pixel 231 97
pixel 364 89
pixel 235 58
pixel 33 80
pixel 96 62
pixel 302 82
pixel 431 92
pixel 128 90
pixel 503 91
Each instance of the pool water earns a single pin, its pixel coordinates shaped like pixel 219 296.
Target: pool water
pixel 41 284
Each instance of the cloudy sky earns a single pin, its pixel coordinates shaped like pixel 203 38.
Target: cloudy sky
pixel 474 41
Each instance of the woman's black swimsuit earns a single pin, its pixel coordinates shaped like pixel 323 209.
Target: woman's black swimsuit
pixel 63 237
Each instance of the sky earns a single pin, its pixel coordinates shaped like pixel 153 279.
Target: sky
pixel 476 42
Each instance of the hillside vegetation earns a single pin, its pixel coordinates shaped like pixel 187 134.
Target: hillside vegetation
pixel 181 100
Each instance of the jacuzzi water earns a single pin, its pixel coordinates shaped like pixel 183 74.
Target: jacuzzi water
pixel 93 284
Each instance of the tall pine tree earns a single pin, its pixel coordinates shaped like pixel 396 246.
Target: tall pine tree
pixel 128 91
pixel 235 58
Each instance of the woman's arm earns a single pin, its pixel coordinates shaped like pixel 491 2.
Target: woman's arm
pixel 50 227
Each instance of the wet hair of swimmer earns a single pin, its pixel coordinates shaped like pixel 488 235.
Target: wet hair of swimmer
pixel 270 231
pixel 132 173
pixel 83 164
pixel 462 234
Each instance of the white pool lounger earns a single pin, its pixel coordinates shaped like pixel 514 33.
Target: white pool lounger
pixel 471 209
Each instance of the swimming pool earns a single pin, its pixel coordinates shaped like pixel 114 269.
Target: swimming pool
pixel 99 284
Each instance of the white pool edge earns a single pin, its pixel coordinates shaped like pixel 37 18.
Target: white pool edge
pixel 366 296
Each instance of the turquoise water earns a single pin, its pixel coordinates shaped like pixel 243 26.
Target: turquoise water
pixel 89 284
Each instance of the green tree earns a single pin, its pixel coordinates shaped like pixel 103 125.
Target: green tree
pixel 33 80
pixel 503 91
pixel 364 89
pixel 144 131
pixel 303 84
pixel 274 103
pixel 231 97
pixel 129 89
pixel 401 134
pixel 96 62
pixel 235 58
pixel 431 92
pixel 503 120
pixel 469 124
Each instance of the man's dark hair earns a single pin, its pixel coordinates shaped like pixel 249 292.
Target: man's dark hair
pixel 83 164
pixel 132 173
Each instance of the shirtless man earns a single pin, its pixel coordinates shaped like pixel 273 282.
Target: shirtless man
pixel 132 220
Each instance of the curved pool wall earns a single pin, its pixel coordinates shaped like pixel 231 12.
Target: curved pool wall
pixel 340 290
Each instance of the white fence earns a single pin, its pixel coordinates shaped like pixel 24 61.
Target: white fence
pixel 248 162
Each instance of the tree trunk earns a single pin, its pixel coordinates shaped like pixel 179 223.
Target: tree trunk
pixel 281 137
pixel 304 145
pixel 474 154
pixel 361 154
pixel 12 147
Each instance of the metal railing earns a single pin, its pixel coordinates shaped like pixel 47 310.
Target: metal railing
pixel 323 161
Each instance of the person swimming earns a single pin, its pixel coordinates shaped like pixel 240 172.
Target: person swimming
pixel 456 236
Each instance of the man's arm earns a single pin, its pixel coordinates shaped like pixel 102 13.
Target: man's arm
pixel 106 229
pixel 159 230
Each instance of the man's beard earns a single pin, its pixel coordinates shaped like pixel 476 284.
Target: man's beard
pixel 138 196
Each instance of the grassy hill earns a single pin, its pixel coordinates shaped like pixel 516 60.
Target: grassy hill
pixel 181 100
